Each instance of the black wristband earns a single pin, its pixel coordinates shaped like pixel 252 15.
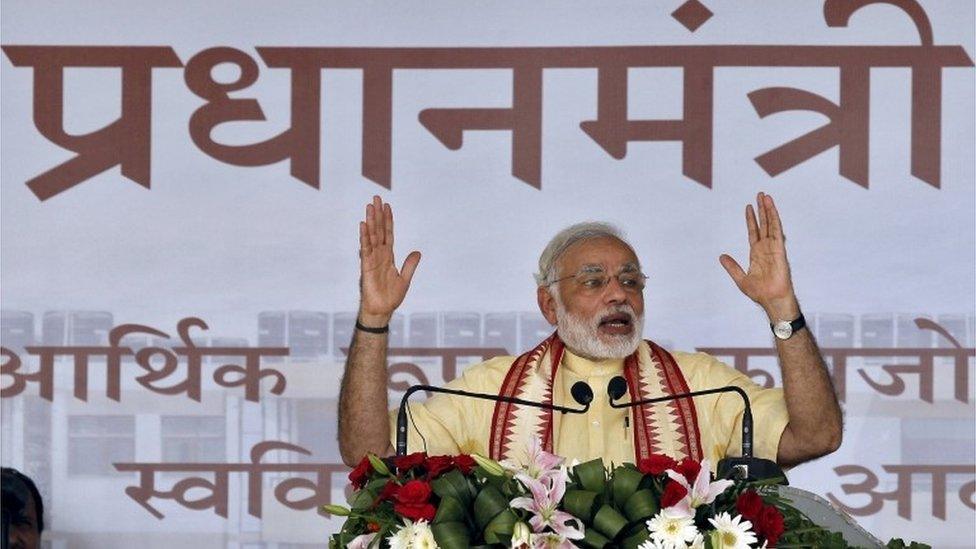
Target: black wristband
pixel 369 330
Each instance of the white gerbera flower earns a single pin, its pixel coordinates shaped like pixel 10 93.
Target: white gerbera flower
pixel 672 527
pixel 402 537
pixel 413 535
pixel 731 532
pixel 423 537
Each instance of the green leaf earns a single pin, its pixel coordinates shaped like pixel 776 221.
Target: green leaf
pixel 449 510
pixel 592 476
pixel 361 499
pixel 488 505
pixel 641 505
pixel 582 504
pixel 592 538
pixel 609 522
pixel 634 540
pixel 500 529
pixel 453 485
pixel 451 535
pixel 625 482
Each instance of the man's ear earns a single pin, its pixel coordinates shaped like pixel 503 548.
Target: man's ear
pixel 547 304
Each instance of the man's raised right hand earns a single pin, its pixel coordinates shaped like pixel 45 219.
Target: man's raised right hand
pixel 382 287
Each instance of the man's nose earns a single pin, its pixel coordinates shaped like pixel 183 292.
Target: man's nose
pixel 614 291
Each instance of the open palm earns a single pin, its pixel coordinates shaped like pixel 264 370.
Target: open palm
pixel 382 285
pixel 767 280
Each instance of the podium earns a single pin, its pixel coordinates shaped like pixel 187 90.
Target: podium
pixel 827 516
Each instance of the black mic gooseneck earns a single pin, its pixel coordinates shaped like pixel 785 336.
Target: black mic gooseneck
pixel 582 394
pixel 746 466
pixel 618 387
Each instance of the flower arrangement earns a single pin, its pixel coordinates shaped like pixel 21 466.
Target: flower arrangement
pixel 455 502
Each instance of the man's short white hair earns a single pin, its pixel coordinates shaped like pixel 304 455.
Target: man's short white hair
pixel 566 238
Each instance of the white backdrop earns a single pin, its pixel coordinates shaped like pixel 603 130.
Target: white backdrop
pixel 267 260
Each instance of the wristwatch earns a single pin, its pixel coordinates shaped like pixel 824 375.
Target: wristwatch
pixel 784 329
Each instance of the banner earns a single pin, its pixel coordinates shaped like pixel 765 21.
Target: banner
pixel 182 187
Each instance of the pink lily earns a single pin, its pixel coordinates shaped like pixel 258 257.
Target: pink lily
pixel 702 492
pixel 361 542
pixel 547 493
pixel 541 463
pixel 551 541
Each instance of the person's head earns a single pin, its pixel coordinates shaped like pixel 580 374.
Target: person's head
pixel 23 504
pixel 590 286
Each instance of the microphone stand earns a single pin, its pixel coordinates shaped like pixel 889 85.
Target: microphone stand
pixel 581 393
pixel 746 467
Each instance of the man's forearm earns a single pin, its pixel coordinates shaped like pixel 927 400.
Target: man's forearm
pixel 815 427
pixel 363 424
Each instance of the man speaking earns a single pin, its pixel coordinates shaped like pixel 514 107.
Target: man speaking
pixel 591 288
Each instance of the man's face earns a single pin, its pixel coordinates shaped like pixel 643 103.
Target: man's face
pixel 596 322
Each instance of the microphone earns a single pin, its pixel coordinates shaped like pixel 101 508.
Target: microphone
pixel 616 388
pixel 746 467
pixel 582 394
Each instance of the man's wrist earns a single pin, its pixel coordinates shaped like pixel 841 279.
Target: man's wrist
pixel 783 309
pixel 373 320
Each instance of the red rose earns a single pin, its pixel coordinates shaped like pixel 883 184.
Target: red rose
pixel 405 463
pixel 465 463
pixel 388 492
pixel 360 474
pixel 438 464
pixel 372 527
pixel 749 505
pixel 771 524
pixel 689 468
pixel 416 511
pixel 673 493
pixel 414 492
pixel 656 464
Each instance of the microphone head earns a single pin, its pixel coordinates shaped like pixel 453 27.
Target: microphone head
pixel 582 393
pixel 617 388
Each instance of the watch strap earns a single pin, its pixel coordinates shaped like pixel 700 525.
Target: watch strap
pixel 796 324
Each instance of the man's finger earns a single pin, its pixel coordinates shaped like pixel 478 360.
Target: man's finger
pixel 763 216
pixel 409 266
pixel 775 225
pixel 364 247
pixel 371 225
pixel 732 267
pixel 388 224
pixel 751 225
pixel 380 221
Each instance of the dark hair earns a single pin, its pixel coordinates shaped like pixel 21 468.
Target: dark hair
pixel 14 479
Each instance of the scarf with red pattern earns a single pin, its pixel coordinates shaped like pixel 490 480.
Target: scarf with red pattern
pixel 666 428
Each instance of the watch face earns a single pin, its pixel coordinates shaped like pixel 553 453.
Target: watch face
pixel 783 329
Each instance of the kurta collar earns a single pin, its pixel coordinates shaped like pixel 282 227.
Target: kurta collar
pixel 583 367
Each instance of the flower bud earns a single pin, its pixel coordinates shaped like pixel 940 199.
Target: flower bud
pixel 489 465
pixel 521 536
pixel 378 465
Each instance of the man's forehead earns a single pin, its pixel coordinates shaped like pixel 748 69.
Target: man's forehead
pixel 599 267
pixel 605 252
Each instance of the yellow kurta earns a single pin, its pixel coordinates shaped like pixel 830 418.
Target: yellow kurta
pixel 453 425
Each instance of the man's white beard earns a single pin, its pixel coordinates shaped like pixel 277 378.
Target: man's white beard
pixel 582 337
